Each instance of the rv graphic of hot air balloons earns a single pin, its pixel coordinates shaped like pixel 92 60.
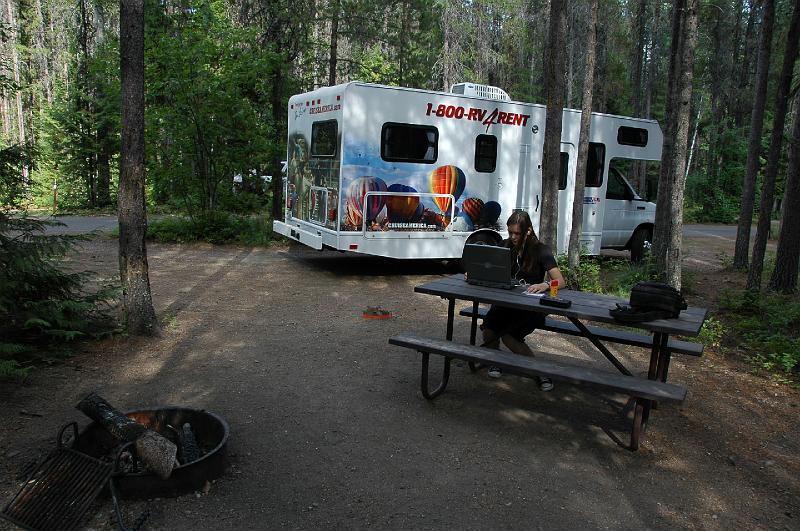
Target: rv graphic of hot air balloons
pixel 447 180
pixel 401 207
pixel 490 212
pixel 472 207
pixel 355 206
pixel 463 223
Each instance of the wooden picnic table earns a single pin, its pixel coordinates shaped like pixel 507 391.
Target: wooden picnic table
pixel 585 307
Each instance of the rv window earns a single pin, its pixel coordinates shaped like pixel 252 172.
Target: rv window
pixel 562 181
pixel 594 165
pixel 409 143
pixel 485 153
pixel 616 186
pixel 632 136
pixel 323 139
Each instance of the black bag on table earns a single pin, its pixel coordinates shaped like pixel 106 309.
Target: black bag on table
pixel 650 301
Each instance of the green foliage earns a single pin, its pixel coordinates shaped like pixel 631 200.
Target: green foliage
pixel 41 304
pixel 623 274
pixel 12 369
pixel 206 96
pixel 585 277
pixel 216 227
pixel 767 326
pixel 712 332
pixel 713 190
pixel 615 276
pixel 78 133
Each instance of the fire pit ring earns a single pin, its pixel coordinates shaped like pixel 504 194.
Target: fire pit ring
pixel 210 431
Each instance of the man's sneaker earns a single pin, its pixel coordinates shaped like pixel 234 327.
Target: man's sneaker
pixel 495 372
pixel 545 384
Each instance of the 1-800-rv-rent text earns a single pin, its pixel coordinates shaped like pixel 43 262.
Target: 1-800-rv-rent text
pixel 408 173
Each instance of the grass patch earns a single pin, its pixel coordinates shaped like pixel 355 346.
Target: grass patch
pixel 217 228
pixel 766 325
pixel 609 275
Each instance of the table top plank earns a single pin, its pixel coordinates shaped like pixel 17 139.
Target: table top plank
pixel 585 305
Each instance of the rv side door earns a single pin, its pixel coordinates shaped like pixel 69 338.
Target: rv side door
pixel 621 211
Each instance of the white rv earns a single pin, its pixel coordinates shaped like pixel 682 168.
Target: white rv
pixel 408 173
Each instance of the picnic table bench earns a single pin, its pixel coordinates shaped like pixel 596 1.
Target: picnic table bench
pixel 611 335
pixel 644 393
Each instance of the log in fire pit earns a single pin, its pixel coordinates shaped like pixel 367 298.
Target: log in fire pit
pixel 204 462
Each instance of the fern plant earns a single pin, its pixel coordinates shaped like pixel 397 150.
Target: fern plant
pixel 41 304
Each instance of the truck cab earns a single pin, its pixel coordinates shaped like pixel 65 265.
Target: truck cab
pixel 629 219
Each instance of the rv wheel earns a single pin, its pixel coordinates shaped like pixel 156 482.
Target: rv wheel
pixel 640 243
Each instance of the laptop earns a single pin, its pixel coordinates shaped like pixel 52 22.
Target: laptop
pixel 488 265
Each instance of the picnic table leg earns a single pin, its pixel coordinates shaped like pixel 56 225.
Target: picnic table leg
pixel 473 329
pixel 641 412
pixel 451 310
pixel 659 360
pixel 424 379
pixel 473 332
pixel 451 307
pixel 585 332
pixel 663 360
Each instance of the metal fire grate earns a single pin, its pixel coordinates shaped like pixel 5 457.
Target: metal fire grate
pixel 59 491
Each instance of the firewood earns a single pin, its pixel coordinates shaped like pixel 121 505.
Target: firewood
pixel 155 451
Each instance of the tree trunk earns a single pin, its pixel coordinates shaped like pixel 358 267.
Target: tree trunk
pixel 754 140
pixel 650 90
pixel 787 259
pixel 743 93
pixel 17 88
pixel 653 61
pixel 278 118
pixel 682 68
pixel 554 85
pixel 136 297
pixel 694 136
pixel 666 176
pixel 574 250
pixel 638 58
pixel 600 98
pixel 775 145
pixel 334 43
pixel 638 173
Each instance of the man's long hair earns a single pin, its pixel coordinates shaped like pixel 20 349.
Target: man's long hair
pixel 524 249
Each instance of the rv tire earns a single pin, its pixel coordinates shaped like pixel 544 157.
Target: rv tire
pixel 641 237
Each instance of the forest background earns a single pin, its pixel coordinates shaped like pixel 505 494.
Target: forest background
pixel 218 76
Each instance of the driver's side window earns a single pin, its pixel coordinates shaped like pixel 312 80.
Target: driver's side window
pixel 616 186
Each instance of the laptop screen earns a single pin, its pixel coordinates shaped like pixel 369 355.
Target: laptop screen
pixel 488 265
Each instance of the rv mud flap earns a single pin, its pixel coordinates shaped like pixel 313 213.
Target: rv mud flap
pixel 312 239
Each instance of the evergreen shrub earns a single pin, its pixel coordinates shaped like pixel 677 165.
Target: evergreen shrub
pixel 42 305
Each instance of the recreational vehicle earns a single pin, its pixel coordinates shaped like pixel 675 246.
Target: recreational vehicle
pixel 409 173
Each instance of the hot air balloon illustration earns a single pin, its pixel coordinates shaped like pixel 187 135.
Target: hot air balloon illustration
pixel 417 215
pixel 463 223
pixel 401 207
pixel 490 213
pixel 472 207
pixel 447 180
pixel 354 204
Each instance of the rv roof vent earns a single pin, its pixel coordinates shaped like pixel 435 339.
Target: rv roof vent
pixel 481 91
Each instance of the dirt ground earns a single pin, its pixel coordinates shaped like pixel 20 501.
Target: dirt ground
pixel 329 430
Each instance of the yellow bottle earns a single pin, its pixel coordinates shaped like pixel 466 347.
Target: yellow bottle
pixel 554 288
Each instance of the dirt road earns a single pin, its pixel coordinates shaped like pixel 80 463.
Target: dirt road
pixel 329 429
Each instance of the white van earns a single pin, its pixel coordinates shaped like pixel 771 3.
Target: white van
pixel 409 173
